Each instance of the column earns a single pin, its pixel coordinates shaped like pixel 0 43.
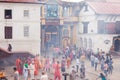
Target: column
pixel 71 35
pixel 42 39
pixel 60 36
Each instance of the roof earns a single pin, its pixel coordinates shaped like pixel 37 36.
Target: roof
pixel 67 3
pixel 72 0
pixel 23 1
pixel 105 7
pixel 113 0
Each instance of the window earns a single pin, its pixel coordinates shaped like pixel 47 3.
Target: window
pixel 41 11
pixel 101 27
pixel 85 27
pixel 65 33
pixel 86 8
pixel 110 28
pixel 26 31
pixel 65 11
pixel 26 13
pixel 52 10
pixel 8 32
pixel 8 14
pixel 117 27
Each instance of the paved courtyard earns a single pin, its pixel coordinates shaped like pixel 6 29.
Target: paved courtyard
pixel 91 74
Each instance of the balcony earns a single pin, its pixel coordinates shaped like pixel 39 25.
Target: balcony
pixel 71 19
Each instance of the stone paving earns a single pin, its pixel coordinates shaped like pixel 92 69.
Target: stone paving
pixel 91 74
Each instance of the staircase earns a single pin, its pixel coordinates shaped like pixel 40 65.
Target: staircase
pixel 4 53
pixel 8 58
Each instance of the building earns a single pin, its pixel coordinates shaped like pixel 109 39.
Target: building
pixel 99 23
pixel 58 22
pixel 20 25
pixel 51 25
pixel 36 26
pixel 71 22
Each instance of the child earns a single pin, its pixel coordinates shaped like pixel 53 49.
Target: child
pixel 16 74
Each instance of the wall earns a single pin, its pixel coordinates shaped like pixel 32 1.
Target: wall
pixel 98 40
pixel 18 21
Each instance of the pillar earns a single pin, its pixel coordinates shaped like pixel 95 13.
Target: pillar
pixel 42 39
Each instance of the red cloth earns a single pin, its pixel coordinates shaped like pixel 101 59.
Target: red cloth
pixel 18 66
pixel 57 72
pixel 37 64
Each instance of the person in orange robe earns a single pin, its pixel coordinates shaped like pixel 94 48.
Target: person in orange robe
pixel 57 73
pixel 19 65
pixel 68 62
pixel 36 62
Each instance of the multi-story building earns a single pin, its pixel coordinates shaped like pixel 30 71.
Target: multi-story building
pixel 71 22
pixel 59 21
pixel 32 25
pixel 51 25
pixel 99 24
pixel 20 25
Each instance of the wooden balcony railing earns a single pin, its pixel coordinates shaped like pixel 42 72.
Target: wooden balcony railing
pixel 71 19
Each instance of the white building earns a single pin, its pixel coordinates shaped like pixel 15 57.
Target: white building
pixel 99 22
pixel 20 25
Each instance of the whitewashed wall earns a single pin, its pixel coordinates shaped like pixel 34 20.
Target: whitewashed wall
pixel 18 21
pixel 97 39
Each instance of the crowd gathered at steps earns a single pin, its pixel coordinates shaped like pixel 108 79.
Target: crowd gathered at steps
pixel 42 65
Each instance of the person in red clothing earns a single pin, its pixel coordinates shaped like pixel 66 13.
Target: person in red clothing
pixel 37 64
pixel 19 65
pixel 68 62
pixel 57 73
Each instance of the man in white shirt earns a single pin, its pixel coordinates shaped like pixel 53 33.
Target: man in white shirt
pixel 16 74
pixel 77 64
pixel 44 76
pixel 32 69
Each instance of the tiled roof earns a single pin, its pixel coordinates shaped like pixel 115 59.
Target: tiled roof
pixel 105 7
pixel 23 1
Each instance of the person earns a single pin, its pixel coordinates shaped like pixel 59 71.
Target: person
pixel 77 64
pixel 92 58
pixel 57 73
pixel 37 64
pixel 82 58
pixel 82 71
pixel 106 68
pixel 19 65
pixel 96 63
pixel 9 47
pixel 2 74
pixel 16 74
pixel 63 64
pixel 73 69
pixel 72 75
pixel 25 70
pixel 102 76
pixel 47 64
pixel 32 69
pixel 110 66
pixel 68 62
pixel 44 76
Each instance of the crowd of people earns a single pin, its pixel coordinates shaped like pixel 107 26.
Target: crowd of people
pixel 68 58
